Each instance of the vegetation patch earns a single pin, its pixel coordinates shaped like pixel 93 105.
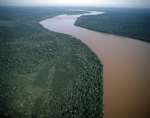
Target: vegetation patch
pixel 46 74
pixel 133 23
pixel 6 23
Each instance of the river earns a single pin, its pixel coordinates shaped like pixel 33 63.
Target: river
pixel 126 67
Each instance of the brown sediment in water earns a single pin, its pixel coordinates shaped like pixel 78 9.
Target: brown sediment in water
pixel 126 67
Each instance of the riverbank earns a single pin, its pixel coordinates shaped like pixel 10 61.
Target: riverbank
pixel 131 24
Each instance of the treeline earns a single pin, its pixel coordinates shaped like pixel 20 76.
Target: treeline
pixel 133 23
pixel 46 74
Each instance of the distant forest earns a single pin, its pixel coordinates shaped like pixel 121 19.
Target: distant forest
pixel 133 23
pixel 44 74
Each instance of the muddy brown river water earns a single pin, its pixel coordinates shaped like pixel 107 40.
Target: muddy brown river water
pixel 126 67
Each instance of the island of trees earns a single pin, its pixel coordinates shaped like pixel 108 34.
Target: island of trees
pixel 133 23
pixel 44 74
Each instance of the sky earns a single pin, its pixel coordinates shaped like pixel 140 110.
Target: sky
pixel 103 3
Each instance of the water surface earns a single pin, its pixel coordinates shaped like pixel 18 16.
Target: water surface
pixel 126 67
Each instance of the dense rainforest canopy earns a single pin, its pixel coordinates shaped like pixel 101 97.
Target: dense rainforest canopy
pixel 133 23
pixel 44 74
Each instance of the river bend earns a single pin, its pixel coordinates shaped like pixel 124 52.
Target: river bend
pixel 126 67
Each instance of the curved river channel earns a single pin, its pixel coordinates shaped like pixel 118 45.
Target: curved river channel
pixel 126 67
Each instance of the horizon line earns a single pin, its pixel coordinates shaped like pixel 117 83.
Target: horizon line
pixel 70 6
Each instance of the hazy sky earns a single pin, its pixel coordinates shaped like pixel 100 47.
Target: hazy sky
pixel 109 3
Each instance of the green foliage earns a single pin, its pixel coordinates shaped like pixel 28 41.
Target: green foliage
pixel 132 23
pixel 46 74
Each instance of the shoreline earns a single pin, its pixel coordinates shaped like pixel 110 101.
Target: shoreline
pixel 113 34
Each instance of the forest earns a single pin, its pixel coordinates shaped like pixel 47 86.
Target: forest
pixel 129 22
pixel 44 74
